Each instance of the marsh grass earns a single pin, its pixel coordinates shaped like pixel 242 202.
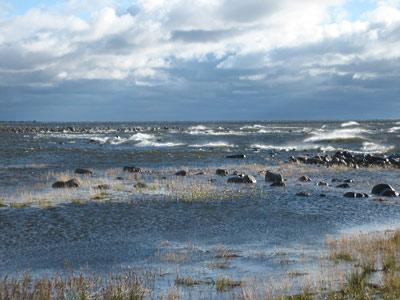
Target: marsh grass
pixel 223 284
pixel 127 287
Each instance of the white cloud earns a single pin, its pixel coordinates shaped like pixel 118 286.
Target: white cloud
pixel 95 40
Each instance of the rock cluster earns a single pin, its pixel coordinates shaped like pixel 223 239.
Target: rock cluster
pixel 348 159
pixel 72 183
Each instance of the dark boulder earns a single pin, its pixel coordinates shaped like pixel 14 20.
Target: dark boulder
pixel 303 194
pixel 237 156
pixel 322 183
pixel 273 177
pixel 103 187
pixel 343 186
pixel 305 179
pixel 83 172
pixel 72 183
pixel 355 195
pixel 389 193
pixel 380 188
pixel 221 172
pixel 132 169
pixel 181 173
pixel 249 179
pixel 244 179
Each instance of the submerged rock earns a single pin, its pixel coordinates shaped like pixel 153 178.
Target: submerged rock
pixel 305 179
pixel 83 172
pixel 181 173
pixel 303 194
pixel 249 179
pixel 343 186
pixel 72 183
pixel 221 172
pixel 355 195
pixel 103 187
pixel 380 188
pixel 322 183
pixel 132 169
pixel 238 156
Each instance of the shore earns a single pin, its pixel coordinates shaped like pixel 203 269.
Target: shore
pixel 189 261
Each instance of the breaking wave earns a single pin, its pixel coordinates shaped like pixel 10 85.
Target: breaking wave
pixel 350 124
pixel 337 135
pixel 213 144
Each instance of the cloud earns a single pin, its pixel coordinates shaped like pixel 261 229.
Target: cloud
pixel 200 51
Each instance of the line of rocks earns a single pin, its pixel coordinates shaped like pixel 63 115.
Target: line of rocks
pixel 348 159
pixel 10 128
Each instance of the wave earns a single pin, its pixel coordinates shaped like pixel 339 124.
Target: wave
pixel 213 144
pixel 148 143
pixel 350 124
pixel 198 127
pixel 253 127
pixel 296 147
pixel 212 132
pixel 369 147
pixel 394 129
pixel 337 135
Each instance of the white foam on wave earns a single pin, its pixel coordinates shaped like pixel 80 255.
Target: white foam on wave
pixel 213 144
pixel 394 129
pixel 253 127
pixel 350 124
pixel 337 135
pixel 216 133
pixel 369 147
pixel 294 147
pixel 198 127
pixel 149 143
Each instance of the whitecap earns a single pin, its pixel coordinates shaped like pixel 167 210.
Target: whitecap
pixel 213 144
pixel 394 129
pixel 370 147
pixel 216 133
pixel 252 127
pixel 293 147
pixel 350 124
pixel 149 143
pixel 337 135
pixel 198 127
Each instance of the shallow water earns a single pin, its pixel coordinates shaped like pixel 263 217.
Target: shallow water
pixel 132 232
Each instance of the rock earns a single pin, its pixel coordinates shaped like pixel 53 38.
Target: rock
pixel 322 195
pixel 103 187
pixel 200 173
pixel 389 193
pixel 355 195
pixel 221 172
pixel 83 172
pixel 273 177
pixel 380 188
pixel 348 181
pixel 322 183
pixel 237 156
pixel 303 194
pixel 336 180
pixel 305 179
pixel 181 173
pixel 245 179
pixel 343 186
pixel 132 169
pixel 249 179
pixel 119 178
pixel 72 183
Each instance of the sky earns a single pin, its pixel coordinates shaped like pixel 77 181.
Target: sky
pixel 174 60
